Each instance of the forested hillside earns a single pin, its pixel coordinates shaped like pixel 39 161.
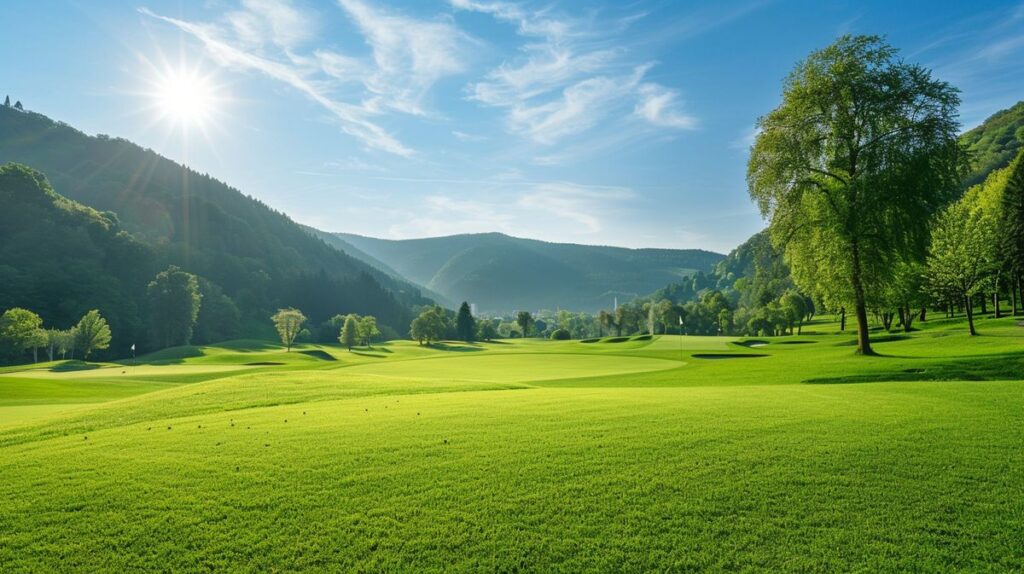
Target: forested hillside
pixel 995 142
pixel 255 255
pixel 502 274
pixel 60 259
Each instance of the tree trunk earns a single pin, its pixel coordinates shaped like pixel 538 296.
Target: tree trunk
pixel 887 317
pixel 842 318
pixel 924 310
pixel 984 309
pixel 969 308
pixel 863 338
pixel 35 354
pixel 1013 297
pixel 995 303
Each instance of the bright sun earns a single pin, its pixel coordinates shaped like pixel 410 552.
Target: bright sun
pixel 186 98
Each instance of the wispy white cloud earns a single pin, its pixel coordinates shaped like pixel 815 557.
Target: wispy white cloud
pixel 467 137
pixel 567 80
pixel 408 56
pixel 513 206
pixel 573 202
pixel 660 106
pixel 276 21
pixel 353 119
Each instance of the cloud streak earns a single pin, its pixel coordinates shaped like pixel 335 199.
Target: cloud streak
pixel 567 80
pixel 408 56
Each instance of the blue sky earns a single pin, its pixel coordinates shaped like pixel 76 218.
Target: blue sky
pixel 618 123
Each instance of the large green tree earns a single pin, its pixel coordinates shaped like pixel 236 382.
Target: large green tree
pixel 961 260
pixel 851 166
pixel 92 333
pixel 288 323
pixel 19 331
pixel 349 335
pixel 174 301
pixel 525 320
pixel 429 325
pixel 368 330
pixel 465 324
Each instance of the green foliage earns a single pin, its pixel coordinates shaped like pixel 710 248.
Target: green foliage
pixel 60 258
pixel 851 166
pixel 429 326
pixel 349 335
pixel 465 324
pixel 962 255
pixel 994 143
pixel 174 302
pixel 1012 216
pixel 561 334
pixel 91 333
pixel 368 330
pixel 524 319
pixel 219 317
pixel 288 323
pixel 19 331
pixel 486 331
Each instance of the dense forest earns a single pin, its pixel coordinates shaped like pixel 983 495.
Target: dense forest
pixel 994 143
pixel 243 252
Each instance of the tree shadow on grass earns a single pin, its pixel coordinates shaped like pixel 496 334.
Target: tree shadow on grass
pixel 996 367
pixel 319 354
pixel 69 366
pixel 456 348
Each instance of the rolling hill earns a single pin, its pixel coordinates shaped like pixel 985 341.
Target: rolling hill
pixel 259 257
pixel 500 273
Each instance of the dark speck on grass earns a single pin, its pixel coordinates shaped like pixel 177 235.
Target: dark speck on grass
pixel 445 441
pixel 266 444
pixel 85 438
pixel 168 427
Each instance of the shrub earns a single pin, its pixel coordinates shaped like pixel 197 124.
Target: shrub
pixel 561 335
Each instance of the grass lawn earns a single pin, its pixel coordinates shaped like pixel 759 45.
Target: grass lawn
pixel 788 454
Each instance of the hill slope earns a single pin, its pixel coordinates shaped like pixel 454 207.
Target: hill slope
pixel 258 256
pixel 61 259
pixel 501 273
pixel 995 142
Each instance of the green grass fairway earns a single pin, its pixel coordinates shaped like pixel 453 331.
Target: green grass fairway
pixel 525 456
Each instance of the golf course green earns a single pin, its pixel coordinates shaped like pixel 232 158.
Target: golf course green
pixel 525 456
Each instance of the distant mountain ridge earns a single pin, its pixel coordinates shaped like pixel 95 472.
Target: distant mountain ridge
pixel 500 273
pixel 260 257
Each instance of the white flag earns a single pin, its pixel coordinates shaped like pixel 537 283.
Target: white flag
pixel 680 323
pixel 133 346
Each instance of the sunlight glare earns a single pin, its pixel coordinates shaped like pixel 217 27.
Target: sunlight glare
pixel 185 98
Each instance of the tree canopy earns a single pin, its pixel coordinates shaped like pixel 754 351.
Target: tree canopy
pixel 851 166
pixel 174 301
